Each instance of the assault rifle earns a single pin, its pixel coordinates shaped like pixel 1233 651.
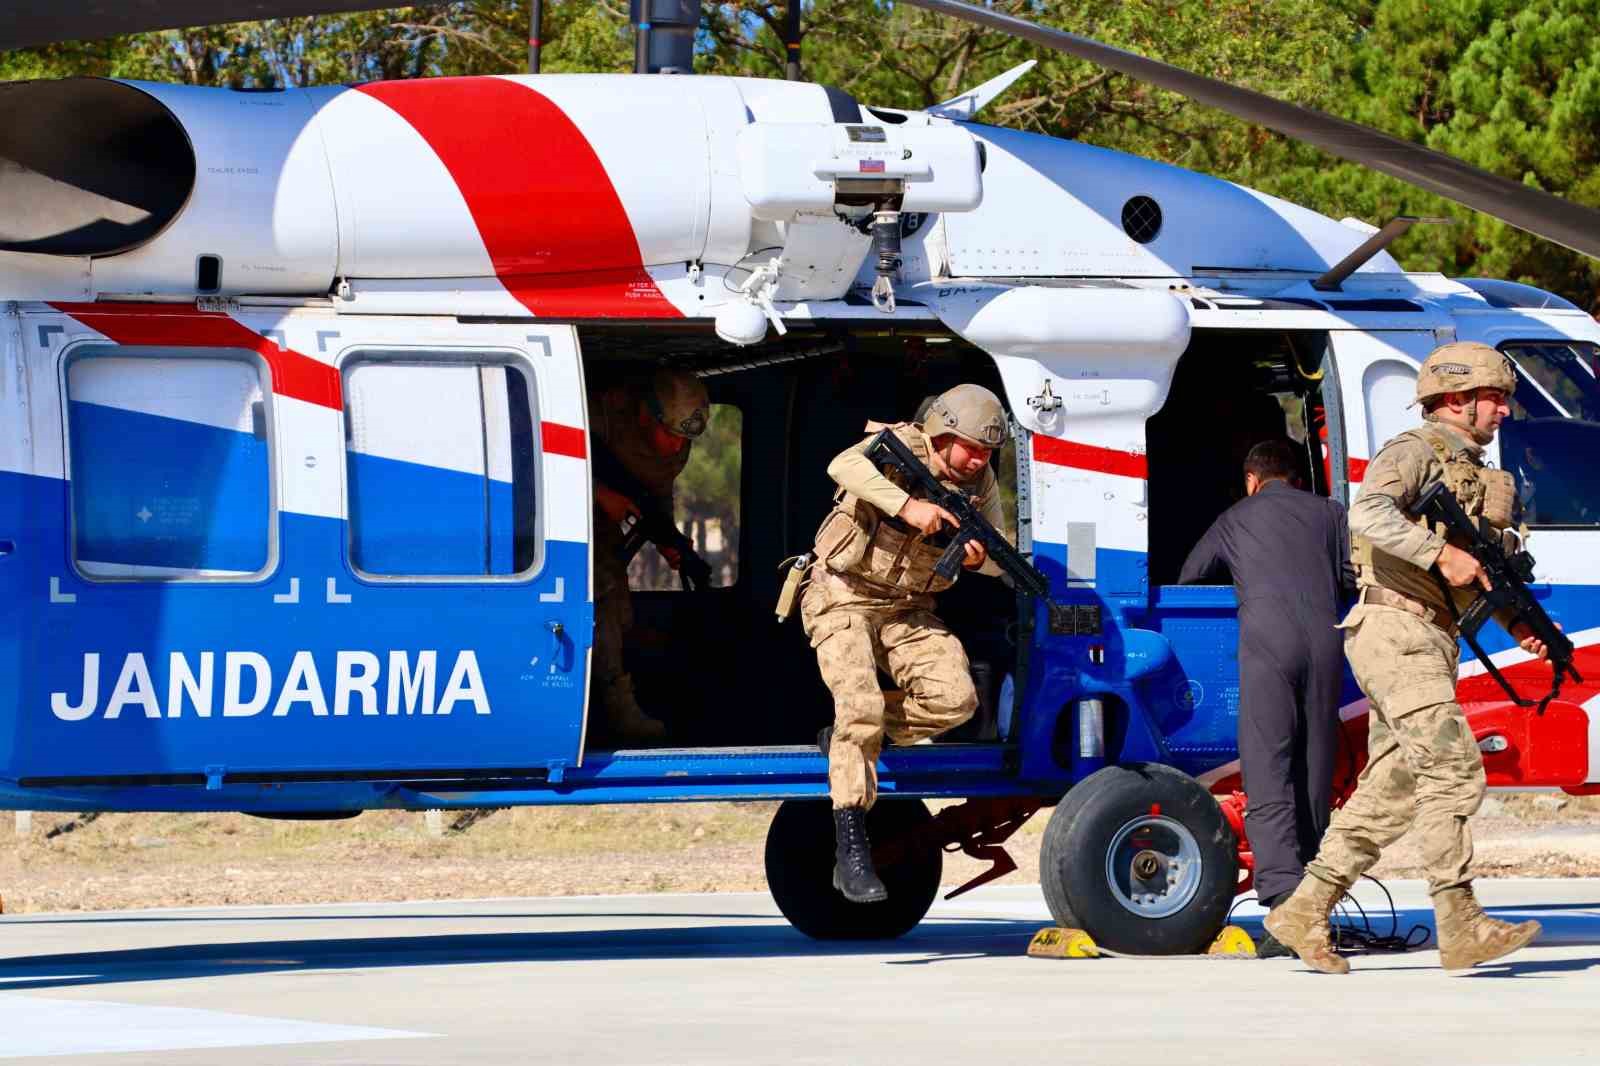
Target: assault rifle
pixel 1508 578
pixel 886 449
pixel 654 523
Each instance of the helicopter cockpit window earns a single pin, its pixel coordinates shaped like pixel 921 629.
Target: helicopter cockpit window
pixel 441 468
pixel 705 504
pixel 1557 379
pixel 171 464
pixel 1554 432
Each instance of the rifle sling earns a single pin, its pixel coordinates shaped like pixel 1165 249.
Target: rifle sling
pixel 1483 656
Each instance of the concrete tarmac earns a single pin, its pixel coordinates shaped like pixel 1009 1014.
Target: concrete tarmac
pixel 722 979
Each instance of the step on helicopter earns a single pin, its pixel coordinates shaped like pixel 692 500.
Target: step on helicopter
pixel 295 471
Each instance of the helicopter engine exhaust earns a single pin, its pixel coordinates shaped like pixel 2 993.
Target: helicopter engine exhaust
pixel 543 194
pixel 90 167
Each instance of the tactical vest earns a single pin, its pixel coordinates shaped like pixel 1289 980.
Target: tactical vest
pixel 1481 491
pixel 858 539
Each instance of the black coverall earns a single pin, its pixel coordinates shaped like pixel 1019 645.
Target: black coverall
pixel 1288 552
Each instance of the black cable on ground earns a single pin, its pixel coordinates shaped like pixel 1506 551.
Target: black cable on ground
pixel 1349 936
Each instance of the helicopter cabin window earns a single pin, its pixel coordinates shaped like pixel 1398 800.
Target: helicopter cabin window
pixel 171 464
pixel 705 506
pixel 441 468
pixel 1553 433
pixel 1390 387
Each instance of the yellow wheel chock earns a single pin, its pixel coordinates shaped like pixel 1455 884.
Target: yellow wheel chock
pixel 1233 942
pixel 1055 942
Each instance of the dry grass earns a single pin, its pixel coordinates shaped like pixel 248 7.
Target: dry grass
pixel 144 860
pixel 114 861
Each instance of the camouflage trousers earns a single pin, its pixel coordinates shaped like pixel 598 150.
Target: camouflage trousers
pixel 1423 766
pixel 857 630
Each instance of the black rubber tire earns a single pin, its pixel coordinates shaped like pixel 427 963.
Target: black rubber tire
pixel 1072 859
pixel 799 860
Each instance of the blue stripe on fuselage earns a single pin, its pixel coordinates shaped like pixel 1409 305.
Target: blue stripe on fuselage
pixel 407 518
pixel 154 491
pixel 529 639
pixel 1192 695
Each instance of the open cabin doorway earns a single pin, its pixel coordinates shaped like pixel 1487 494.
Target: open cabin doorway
pixel 716 667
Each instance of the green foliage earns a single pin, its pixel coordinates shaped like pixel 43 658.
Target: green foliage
pixel 422 40
pixel 1512 86
pixel 711 477
pixel 900 56
pixel 705 500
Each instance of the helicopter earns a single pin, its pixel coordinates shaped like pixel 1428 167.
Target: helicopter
pixel 296 503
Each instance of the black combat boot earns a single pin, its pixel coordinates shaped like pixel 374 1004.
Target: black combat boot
pixel 1270 947
pixel 853 874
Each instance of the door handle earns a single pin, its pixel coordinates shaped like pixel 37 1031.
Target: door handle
pixel 560 647
pixel 7 547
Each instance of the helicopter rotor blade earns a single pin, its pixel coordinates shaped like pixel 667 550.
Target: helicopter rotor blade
pixel 1572 225
pixel 29 23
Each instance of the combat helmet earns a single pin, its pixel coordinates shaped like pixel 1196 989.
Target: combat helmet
pixel 971 412
pixel 678 401
pixel 1462 366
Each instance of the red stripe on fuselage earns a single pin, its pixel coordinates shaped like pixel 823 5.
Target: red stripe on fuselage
pixel 555 228
pixel 1531 678
pixel 179 326
pixel 563 440
pixel 1058 452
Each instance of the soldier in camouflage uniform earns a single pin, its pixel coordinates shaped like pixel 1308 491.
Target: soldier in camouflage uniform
pixel 1423 765
pixel 869 606
pixel 649 426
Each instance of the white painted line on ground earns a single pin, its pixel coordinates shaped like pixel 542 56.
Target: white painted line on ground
pixel 38 1025
pixel 49 977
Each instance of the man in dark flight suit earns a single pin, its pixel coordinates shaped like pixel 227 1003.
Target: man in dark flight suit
pixel 1288 553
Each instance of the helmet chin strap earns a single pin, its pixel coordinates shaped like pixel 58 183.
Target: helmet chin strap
pixel 1473 424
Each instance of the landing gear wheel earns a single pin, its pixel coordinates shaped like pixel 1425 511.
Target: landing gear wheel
pixel 799 861
pixel 1141 859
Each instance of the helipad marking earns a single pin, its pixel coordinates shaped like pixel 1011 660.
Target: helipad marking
pixel 39 1025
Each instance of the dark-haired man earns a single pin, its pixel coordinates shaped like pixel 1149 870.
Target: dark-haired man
pixel 1288 554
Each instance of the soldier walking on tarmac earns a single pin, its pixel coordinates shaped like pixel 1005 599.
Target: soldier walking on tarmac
pixel 649 428
pixel 869 605
pixel 1423 766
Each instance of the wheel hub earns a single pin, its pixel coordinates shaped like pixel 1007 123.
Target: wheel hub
pixel 1146 865
pixel 1153 866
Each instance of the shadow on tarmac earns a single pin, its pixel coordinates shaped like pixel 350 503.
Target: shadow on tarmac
pixel 965 938
pixel 1565 924
pixel 721 936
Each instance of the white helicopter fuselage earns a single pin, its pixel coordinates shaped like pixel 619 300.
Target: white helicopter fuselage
pixel 357 273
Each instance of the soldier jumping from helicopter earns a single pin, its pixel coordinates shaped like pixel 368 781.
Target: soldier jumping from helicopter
pixel 869 605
